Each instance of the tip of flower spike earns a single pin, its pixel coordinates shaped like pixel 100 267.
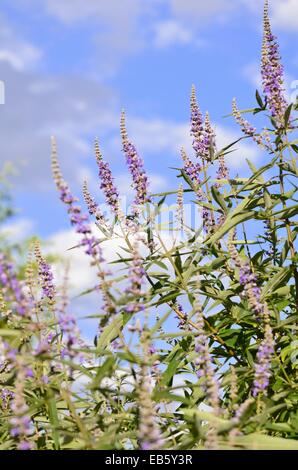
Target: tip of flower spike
pixel 183 153
pixel 207 118
pixel 57 175
pixel 234 106
pixel 85 190
pixel 53 141
pixel 123 130
pixel 266 19
pixel 193 96
pixel 98 153
pixel 36 246
pixel 53 147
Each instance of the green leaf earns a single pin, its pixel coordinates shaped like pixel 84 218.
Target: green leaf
pixel 259 100
pixel 276 281
pixel 288 114
pixel 259 441
pixel 230 223
pixel 219 199
pixel 111 332
pixel 54 420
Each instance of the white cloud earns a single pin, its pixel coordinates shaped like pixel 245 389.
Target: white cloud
pixel 196 10
pixel 170 32
pixel 285 14
pixel 156 182
pixel 25 56
pixel 70 11
pixel 16 51
pixel 243 151
pixel 36 107
pixel 18 229
pixel 253 75
pixel 81 275
pixel 158 135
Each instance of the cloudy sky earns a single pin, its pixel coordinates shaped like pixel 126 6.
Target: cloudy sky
pixel 70 66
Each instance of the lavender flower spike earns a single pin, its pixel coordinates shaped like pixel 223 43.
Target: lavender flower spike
pixel 148 434
pixel 45 274
pixel 107 182
pixel 136 278
pixel 197 122
pixel 13 289
pixel 180 208
pixel 248 280
pixel 208 143
pixel 263 364
pixel 246 127
pixel 92 205
pixel 222 172
pixel 77 218
pixel 272 72
pixel 136 167
pixel 203 361
pixel 20 422
pixel 193 171
pixel 253 294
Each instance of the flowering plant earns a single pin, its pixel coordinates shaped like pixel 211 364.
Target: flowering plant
pixel 197 323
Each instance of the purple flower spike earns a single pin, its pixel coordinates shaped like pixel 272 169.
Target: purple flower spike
pixel 136 279
pixel 12 288
pixel 149 434
pixel 204 364
pixel 107 182
pixel 135 166
pixel 93 207
pixel 77 218
pixel 20 423
pixel 45 274
pixel 192 170
pixel 197 123
pixel 272 72
pixel 263 363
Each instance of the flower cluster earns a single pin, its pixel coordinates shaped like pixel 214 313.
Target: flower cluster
pixel 272 72
pixel 253 294
pixel 201 131
pixel 208 141
pixel 12 289
pixel 148 434
pixel 77 218
pixel 136 167
pixel 203 361
pixel 136 278
pixel 246 127
pixel 45 275
pixel 197 123
pixel 20 423
pixel 193 171
pixel 223 171
pixel 93 207
pixel 71 336
pixel 180 209
pixel 107 182
pixel 5 396
pixel 248 280
pixel 263 363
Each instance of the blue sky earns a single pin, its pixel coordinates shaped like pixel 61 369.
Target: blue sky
pixel 69 66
